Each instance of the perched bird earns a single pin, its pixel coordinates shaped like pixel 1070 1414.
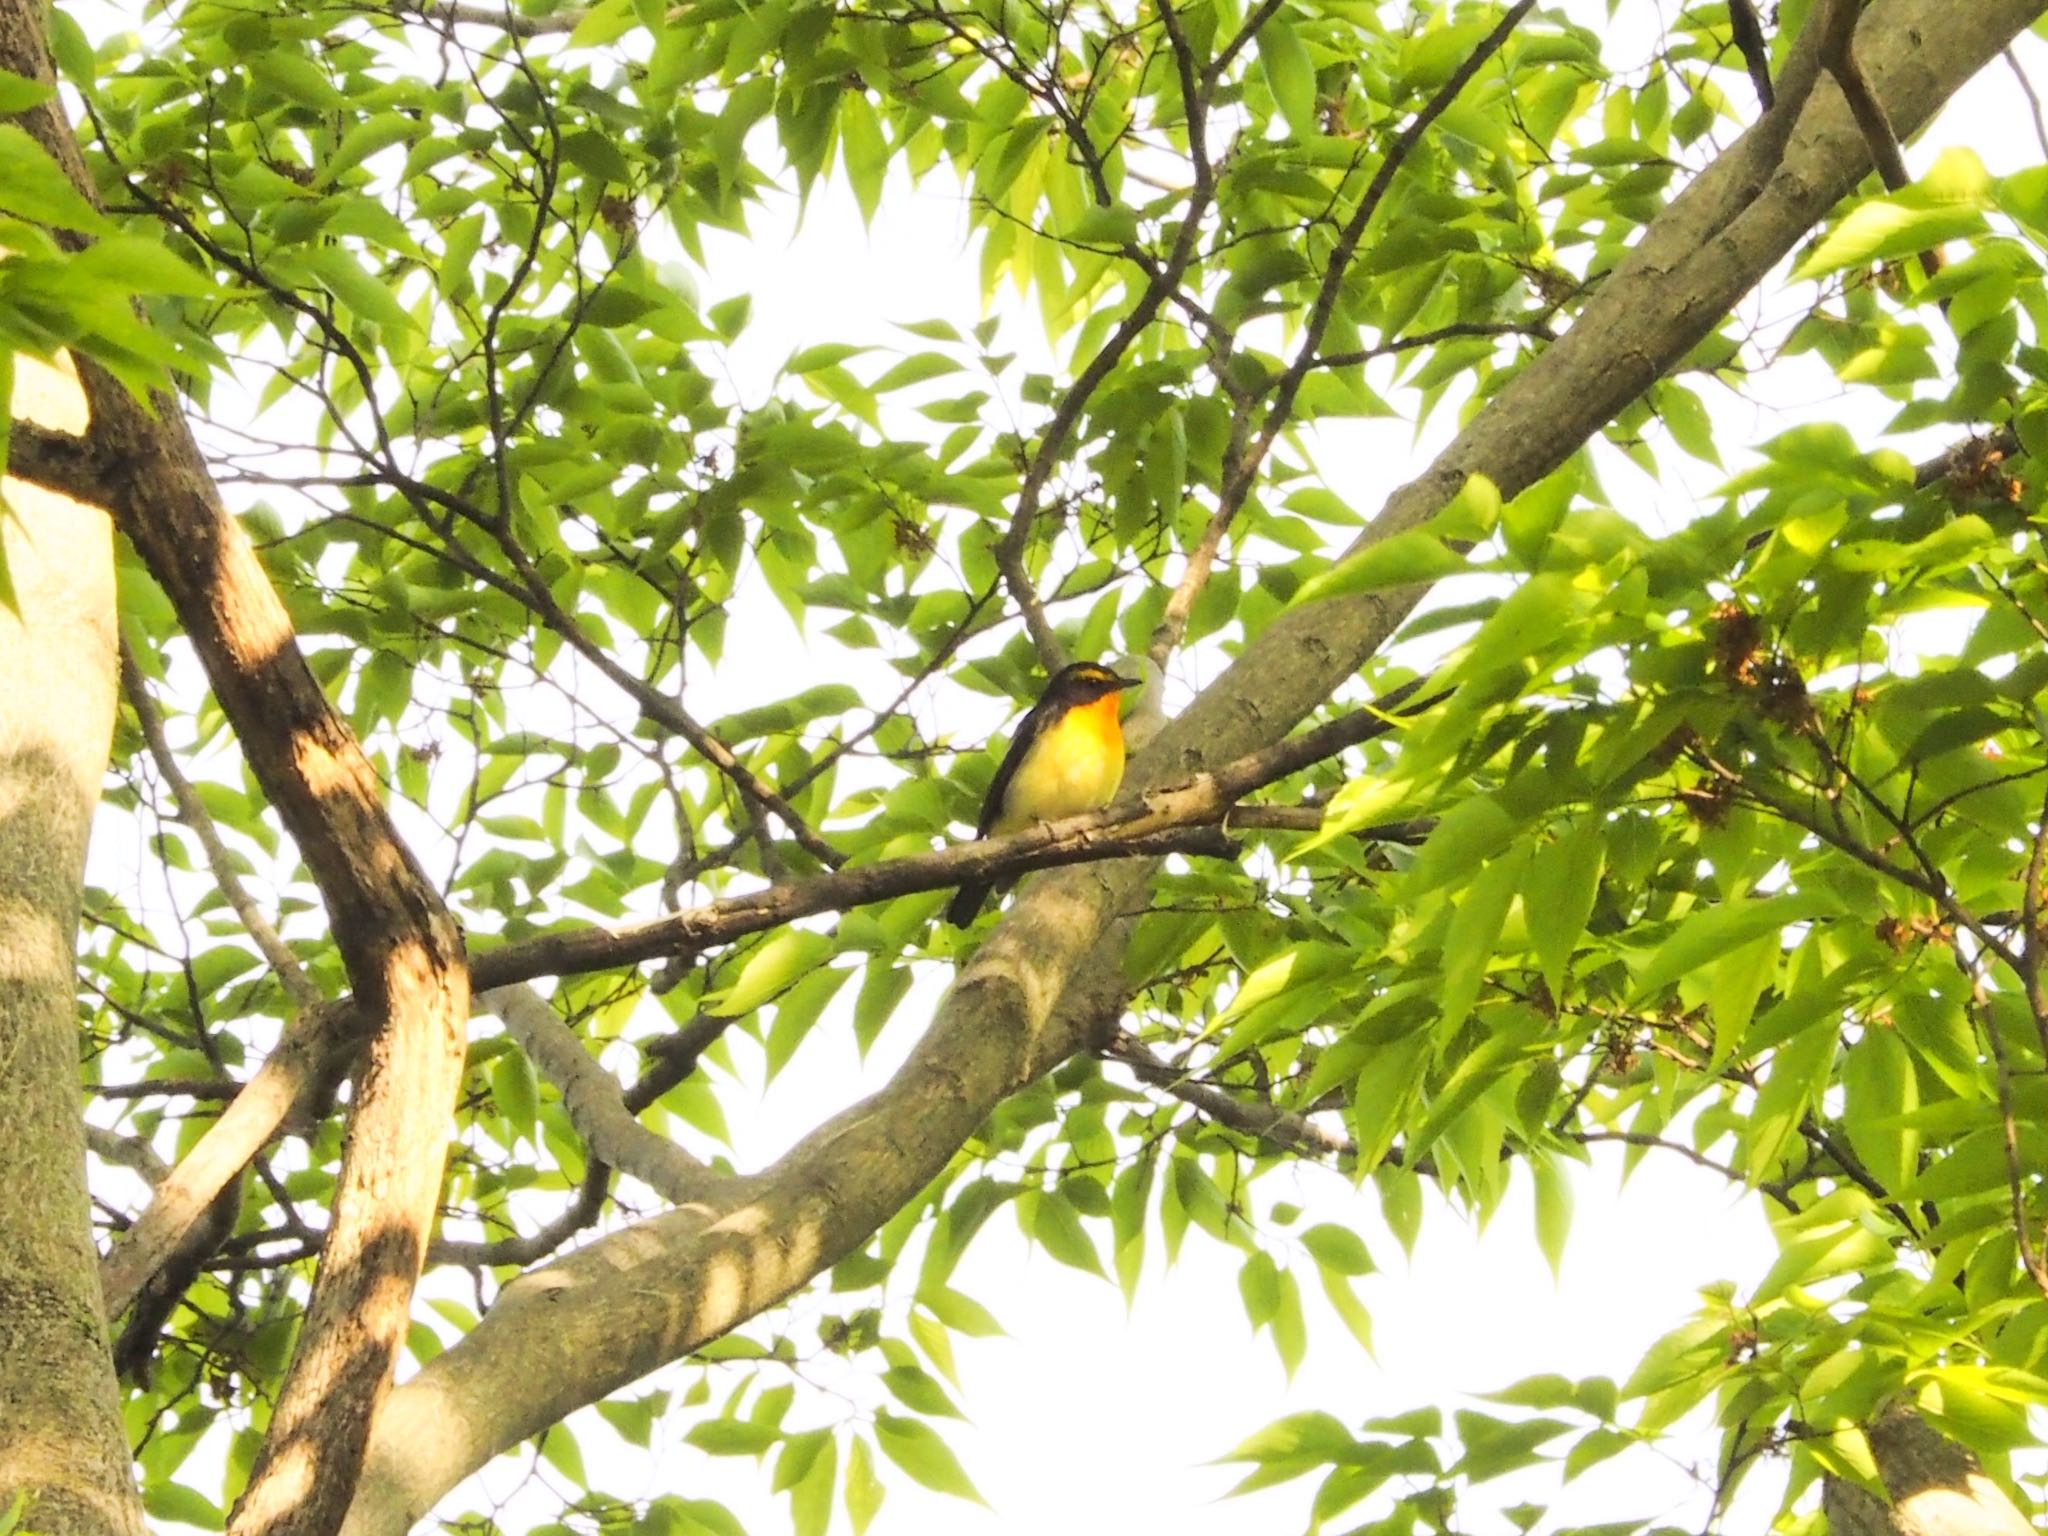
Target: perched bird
pixel 1067 757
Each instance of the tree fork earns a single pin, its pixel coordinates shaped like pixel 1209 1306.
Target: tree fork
pixel 402 949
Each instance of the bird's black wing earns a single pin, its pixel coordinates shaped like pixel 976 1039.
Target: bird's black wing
pixel 968 901
pixel 1028 730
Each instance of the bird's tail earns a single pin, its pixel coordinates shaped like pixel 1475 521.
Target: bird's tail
pixel 966 905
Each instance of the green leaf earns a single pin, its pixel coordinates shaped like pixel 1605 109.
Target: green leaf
pixel 827 355
pixel 1290 1328
pixel 137 264
pixel 776 964
pixel 1553 1209
pixel 882 986
pixel 1558 896
pixel 864 152
pixel 1885 229
pixel 182 1506
pixel 355 289
pixel 558 1448
pixel 962 1314
pixel 1338 1250
pixel 732 1437
pixel 863 1492
pixel 796 1014
pixel 1290 75
pixel 1258 1283
pixel 1414 558
pixel 1473 931
pixel 1314 1435
pixel 596 155
pixel 34 187
pixel 516 1091
pixel 18 93
pixel 1056 1226
pixel 917 1449
pixel 917 1391
pixel 1711 931
pixel 1495 1447
pixel 810 1501
pixel 1348 1308
pixel 363 140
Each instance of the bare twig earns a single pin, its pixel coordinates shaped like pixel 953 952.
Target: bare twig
pixel 1756 52
pixel 506 19
pixel 1253 1117
pixel 1241 473
pixel 2033 101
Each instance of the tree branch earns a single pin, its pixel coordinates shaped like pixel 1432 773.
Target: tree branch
pixel 1748 33
pixel 402 949
pixel 1182 820
pixel 592 1096
pixel 1259 1120
pixel 597 1319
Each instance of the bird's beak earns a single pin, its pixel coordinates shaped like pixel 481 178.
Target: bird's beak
pixel 1130 682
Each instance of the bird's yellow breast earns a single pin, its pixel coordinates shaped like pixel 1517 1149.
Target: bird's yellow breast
pixel 1075 765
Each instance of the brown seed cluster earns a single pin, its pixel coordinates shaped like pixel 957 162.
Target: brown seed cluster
pixel 1977 470
pixel 1742 656
pixel 1901 933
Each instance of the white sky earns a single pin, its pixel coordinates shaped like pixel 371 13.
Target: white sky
pixel 1085 1419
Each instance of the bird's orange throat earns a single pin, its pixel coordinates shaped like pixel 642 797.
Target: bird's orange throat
pixel 1102 719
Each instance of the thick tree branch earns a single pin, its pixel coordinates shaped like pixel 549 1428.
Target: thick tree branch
pixel 1183 820
pixel 65 1463
pixel 1934 1487
pixel 588 1324
pixel 314 1051
pixel 402 949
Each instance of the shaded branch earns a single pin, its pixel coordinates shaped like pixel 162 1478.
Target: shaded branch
pixel 1258 1119
pixel 1748 33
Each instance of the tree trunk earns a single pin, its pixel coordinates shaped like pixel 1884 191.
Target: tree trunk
pixel 62 1443
pixel 1936 1488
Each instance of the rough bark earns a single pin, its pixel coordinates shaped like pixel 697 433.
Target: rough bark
pixel 590 1323
pixel 62 1442
pixel 1935 1488
pixel 402 949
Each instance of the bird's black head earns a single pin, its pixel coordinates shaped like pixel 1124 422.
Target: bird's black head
pixel 1086 680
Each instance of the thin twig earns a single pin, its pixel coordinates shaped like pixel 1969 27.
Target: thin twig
pixel 1756 52
pixel 1241 472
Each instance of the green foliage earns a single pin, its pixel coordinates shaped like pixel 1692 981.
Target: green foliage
pixel 1724 844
